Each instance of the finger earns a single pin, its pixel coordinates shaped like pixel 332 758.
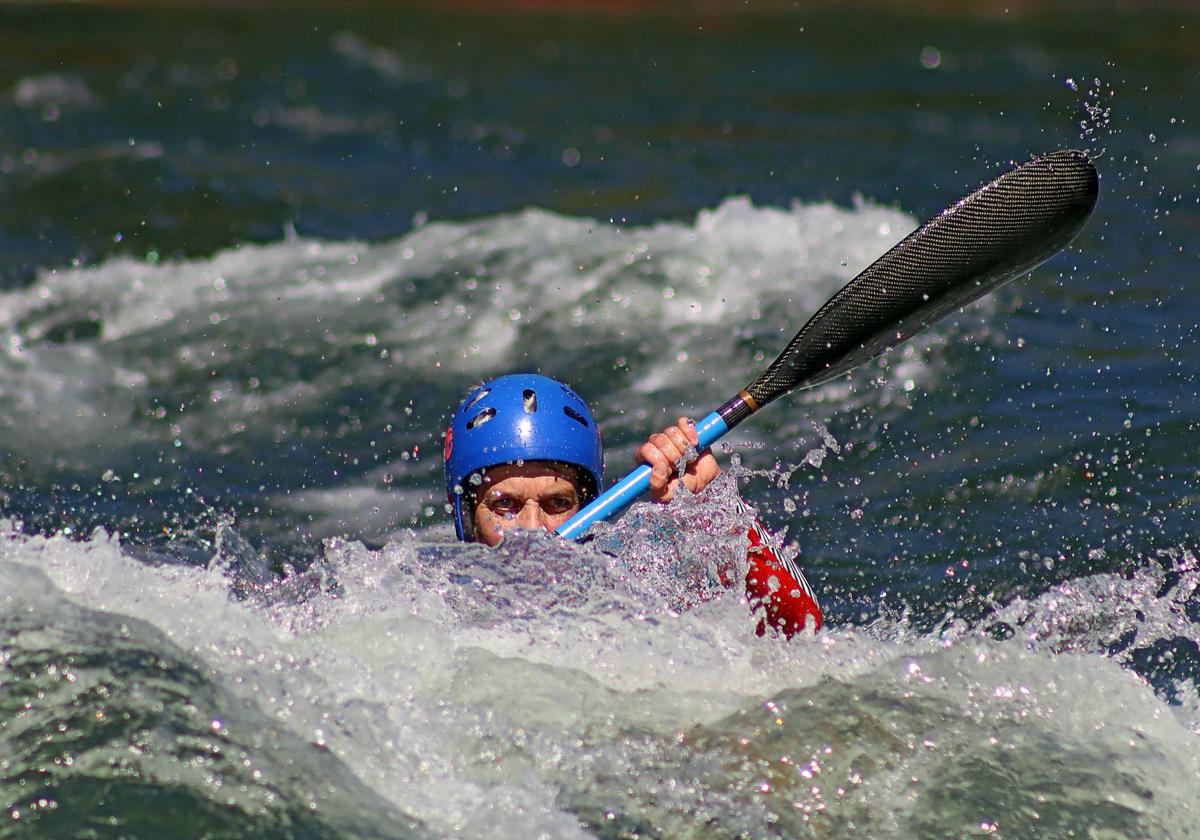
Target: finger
pixel 702 472
pixel 688 426
pixel 679 437
pixel 671 448
pixel 706 465
pixel 661 467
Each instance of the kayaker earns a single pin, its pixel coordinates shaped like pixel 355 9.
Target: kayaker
pixel 524 451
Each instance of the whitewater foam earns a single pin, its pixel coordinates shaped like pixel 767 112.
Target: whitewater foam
pixel 473 690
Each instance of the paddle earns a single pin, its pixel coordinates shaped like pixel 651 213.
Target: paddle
pixel 1001 231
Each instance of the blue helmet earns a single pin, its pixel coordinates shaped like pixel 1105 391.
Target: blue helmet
pixel 520 417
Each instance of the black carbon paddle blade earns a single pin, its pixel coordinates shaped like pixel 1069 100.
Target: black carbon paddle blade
pixel 1000 231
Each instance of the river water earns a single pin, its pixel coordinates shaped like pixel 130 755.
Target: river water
pixel 252 258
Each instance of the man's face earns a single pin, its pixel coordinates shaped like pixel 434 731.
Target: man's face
pixel 532 495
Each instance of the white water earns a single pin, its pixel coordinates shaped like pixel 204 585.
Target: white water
pixel 273 332
pixel 543 685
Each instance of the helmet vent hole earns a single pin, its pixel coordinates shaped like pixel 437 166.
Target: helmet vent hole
pixel 475 399
pixel 575 415
pixel 481 418
pixel 530 398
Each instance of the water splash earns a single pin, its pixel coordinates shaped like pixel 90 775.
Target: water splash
pixel 586 690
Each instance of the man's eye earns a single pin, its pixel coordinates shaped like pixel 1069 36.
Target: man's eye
pixel 560 504
pixel 504 505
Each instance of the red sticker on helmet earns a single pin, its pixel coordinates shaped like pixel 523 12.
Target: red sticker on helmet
pixel 449 447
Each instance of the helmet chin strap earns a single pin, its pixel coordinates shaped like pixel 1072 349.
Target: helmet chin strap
pixel 463 510
pixel 464 504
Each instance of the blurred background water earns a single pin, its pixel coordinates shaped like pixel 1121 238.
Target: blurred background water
pixel 249 258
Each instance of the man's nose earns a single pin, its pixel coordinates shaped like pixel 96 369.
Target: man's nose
pixel 530 516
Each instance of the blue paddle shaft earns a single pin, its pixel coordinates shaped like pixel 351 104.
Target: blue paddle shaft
pixel 626 491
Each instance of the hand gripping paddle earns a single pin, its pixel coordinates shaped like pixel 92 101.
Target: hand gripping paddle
pixel 1001 231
